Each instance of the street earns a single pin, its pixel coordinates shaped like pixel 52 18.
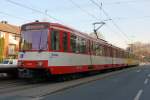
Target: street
pixel 127 84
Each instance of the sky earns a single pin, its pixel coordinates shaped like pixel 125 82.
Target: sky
pixel 130 18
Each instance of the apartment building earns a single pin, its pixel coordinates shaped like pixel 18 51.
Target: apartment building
pixel 9 40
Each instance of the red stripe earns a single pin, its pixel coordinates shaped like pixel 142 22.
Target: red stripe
pixel 76 69
pixel 33 64
pixel 68 69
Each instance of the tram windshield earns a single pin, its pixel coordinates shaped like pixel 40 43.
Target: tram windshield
pixel 34 39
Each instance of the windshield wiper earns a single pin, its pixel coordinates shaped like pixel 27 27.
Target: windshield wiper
pixel 45 46
pixel 40 41
pixel 41 48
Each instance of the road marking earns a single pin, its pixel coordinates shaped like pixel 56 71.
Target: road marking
pixel 138 70
pixel 37 98
pixel 148 75
pixel 137 97
pixel 146 81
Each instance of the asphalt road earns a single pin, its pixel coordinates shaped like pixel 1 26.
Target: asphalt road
pixel 133 84
pixel 127 84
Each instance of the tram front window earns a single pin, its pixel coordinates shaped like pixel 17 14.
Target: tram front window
pixel 34 40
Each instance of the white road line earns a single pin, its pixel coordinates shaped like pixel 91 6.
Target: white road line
pixel 138 70
pixel 137 97
pixel 146 81
pixel 37 98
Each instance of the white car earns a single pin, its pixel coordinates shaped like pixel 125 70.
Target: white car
pixel 9 63
pixel 9 66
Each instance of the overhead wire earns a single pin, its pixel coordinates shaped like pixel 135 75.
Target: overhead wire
pixel 124 2
pixel 133 18
pixel 85 11
pixel 34 10
pixel 9 15
pixel 107 15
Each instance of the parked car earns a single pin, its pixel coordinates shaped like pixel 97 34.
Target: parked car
pixel 9 66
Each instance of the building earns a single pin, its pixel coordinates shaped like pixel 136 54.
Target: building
pixel 9 40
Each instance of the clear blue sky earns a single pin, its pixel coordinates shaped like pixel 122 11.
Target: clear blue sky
pixel 132 16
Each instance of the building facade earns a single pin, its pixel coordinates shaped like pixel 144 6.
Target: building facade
pixel 9 40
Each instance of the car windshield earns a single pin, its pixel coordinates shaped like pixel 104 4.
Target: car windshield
pixel 34 39
pixel 5 62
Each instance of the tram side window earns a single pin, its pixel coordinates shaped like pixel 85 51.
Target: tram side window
pixel 94 48
pixel 103 51
pixel 88 46
pixel 97 49
pixel 108 52
pixel 105 48
pixel 78 45
pixel 73 43
pixel 55 40
pixel 114 53
pixel 100 50
pixel 65 41
pixel 83 46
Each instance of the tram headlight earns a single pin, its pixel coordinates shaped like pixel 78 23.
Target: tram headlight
pixel 40 63
pixel 19 63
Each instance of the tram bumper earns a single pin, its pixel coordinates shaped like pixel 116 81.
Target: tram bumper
pixel 31 69
pixel 25 73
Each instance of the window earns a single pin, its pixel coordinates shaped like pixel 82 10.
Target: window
pixel 114 52
pixel 103 50
pixel 108 52
pixel 117 53
pixel 55 40
pixel 91 46
pixel 78 44
pixel 73 43
pixel 14 36
pixel 97 49
pixel 2 35
pixel 83 46
pixel 88 46
pixel 100 50
pixel 11 49
pixel 65 41
pixel 94 48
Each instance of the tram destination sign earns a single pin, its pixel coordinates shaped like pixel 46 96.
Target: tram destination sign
pixel 34 26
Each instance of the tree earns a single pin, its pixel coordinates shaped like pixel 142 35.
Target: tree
pixel 142 50
pixel 1 48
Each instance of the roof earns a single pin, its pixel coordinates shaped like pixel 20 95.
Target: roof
pixel 9 28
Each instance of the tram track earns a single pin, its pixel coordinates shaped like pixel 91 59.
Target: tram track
pixel 9 84
pixel 19 87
